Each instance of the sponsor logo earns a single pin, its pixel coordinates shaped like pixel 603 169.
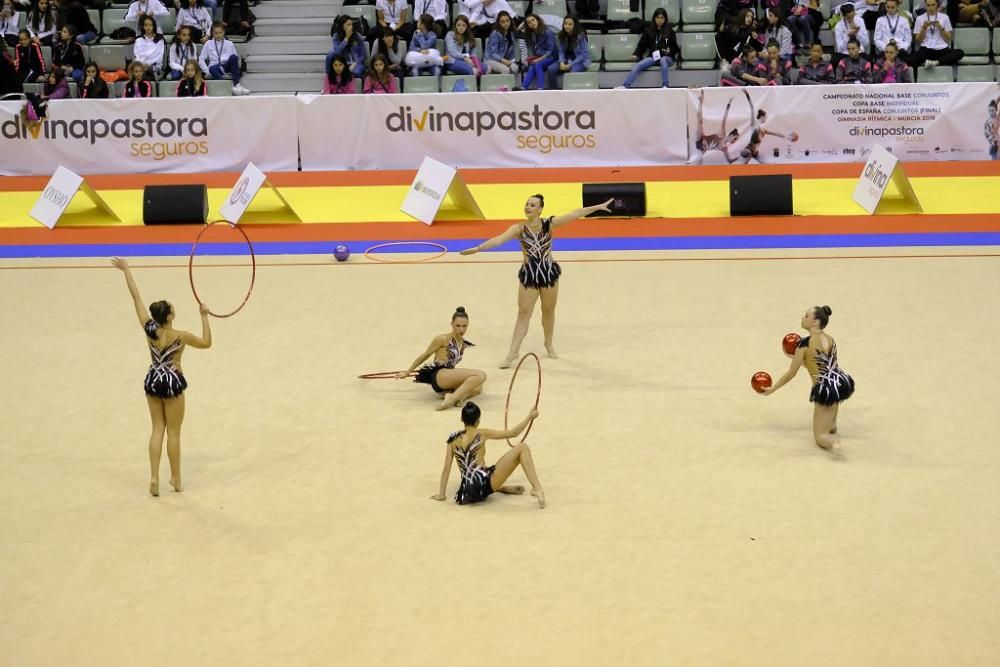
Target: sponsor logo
pixel 239 193
pixel 880 132
pixel 875 176
pixel 423 189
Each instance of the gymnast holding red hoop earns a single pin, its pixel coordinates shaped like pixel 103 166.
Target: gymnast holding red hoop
pixel 454 385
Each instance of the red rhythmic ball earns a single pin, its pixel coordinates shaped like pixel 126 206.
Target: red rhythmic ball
pixel 760 381
pixel 789 343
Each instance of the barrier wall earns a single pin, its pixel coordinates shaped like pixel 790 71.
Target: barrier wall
pixel 516 129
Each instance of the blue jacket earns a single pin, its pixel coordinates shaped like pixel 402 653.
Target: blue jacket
pixel 497 47
pixel 581 52
pixel 452 48
pixel 543 45
pixel 356 54
pixel 423 40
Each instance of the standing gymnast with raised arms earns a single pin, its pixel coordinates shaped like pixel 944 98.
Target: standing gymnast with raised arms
pixel 453 384
pixel 539 274
pixel 165 382
pixel 831 385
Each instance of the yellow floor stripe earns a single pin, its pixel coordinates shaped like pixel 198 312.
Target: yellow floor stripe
pixel 698 199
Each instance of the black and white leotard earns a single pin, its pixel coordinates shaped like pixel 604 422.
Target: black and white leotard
pixel 163 380
pixel 831 384
pixel 476 485
pixel 538 270
pixel 428 373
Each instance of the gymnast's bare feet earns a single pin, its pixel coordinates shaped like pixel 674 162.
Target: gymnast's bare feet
pixel 154 487
pixel 512 489
pixel 508 362
pixel 538 493
pixel 552 352
pixel 176 483
pixel 446 402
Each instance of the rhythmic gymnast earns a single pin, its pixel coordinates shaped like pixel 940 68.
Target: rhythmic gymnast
pixel 468 449
pixel 831 385
pixel 454 385
pixel 539 274
pixel 165 382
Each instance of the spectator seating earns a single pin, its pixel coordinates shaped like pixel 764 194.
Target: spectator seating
pixel 939 74
pixel 976 73
pixel 618 50
pixel 673 8
pixel 581 81
pixel 698 50
pixel 420 84
pixel 698 15
pixel 110 57
pixel 976 44
pixel 491 82
pixel 449 80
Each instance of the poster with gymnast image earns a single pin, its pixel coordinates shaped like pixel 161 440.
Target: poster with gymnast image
pixel 784 124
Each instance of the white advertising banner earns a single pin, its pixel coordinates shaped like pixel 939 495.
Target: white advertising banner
pixel 570 128
pixel 914 122
pixel 157 135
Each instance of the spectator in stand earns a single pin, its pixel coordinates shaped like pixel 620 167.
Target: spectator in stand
pixel 42 23
pixel 192 84
pixel 393 50
pixel 181 51
pixel 9 20
pixel 67 54
pixel 28 59
pixel 816 71
pixel 540 51
pixel 394 15
pixel 150 48
pixel 77 16
pixel 800 22
pixel 10 80
pixel 339 80
pixel 483 14
pixel 657 48
pixel 500 47
pixel 423 54
pixel 140 8
pixel 746 71
pixel 240 21
pixel 728 11
pixel 56 87
pixel 438 9
pixel 932 37
pixel 775 30
pixel 778 68
pixel 349 44
pixel 891 69
pixel 460 49
pixel 574 53
pixel 197 18
pixel 849 27
pixel 854 68
pixel 871 10
pixel 94 87
pixel 219 58
pixel 379 80
pixel 893 27
pixel 138 84
pixel 210 5
pixel 736 34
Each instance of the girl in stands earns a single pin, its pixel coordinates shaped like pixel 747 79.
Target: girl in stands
pixel 37 107
pixel 394 15
pixel 891 69
pixel 67 54
pixel 339 80
pixel 165 382
pixel 348 44
pixel 138 84
pixel 379 80
pixel 423 52
pixel 657 48
pixel 42 23
pixel 500 47
pixel 181 51
pixel 139 8
pixel 196 17
pixel 94 87
pixel 574 53
pixel 776 30
pixel 192 84
pixel 150 48
pixel 77 16
pixel 540 51
pixel 392 48
pixel 10 19
pixel 28 59
pixel 460 47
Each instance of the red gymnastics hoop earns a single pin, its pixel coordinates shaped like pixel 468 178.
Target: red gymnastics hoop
pixel 383 375
pixel 369 253
pixel 538 395
pixel 253 267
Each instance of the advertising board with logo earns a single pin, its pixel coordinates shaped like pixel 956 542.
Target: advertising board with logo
pixel 537 129
pixel 151 135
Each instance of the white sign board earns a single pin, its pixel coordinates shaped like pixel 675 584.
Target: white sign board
pixel 58 194
pixel 882 168
pixel 436 181
pixel 242 195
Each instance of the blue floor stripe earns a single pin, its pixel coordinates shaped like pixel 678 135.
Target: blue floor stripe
pixel 564 244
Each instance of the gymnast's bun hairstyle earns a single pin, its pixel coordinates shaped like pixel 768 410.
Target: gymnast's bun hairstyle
pixel 470 414
pixel 459 312
pixel 540 198
pixel 159 311
pixel 823 314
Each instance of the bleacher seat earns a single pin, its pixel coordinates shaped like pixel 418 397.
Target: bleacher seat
pixel 976 73
pixel 519 6
pixel 581 81
pixel 47 57
pixel 95 18
pixel 618 50
pixel 620 11
pixel 108 56
pixel 449 80
pixel 74 89
pixel 35 88
pixel 492 82
pixel 220 88
pixel 168 23
pixel 167 89
pixel 939 74
pixel 420 84
pixel 595 45
pixel 117 89
pixel 976 44
pixel 111 20
pixel 996 44
pixel 673 8
pixel 367 12
pixel 698 15
pixel 697 50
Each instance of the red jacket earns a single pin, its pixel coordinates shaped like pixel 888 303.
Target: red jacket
pixel 142 89
pixel 28 59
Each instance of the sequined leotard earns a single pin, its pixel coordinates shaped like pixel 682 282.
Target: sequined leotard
pixel 538 270
pixel 428 373
pixel 475 486
pixel 164 380
pixel 831 384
